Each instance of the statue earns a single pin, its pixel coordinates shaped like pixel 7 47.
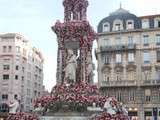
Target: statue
pixel 109 107
pixel 14 106
pixel 39 109
pixel 123 109
pixel 71 65
pixel 90 68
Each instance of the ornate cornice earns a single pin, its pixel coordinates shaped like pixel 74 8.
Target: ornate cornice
pixel 106 68
pixel 146 68
pixel 79 31
pixel 157 67
pixel 118 68
pixel 131 67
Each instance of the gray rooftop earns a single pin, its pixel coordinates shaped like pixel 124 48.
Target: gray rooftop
pixel 120 14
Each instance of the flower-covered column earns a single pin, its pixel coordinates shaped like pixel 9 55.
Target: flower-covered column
pixel 75 34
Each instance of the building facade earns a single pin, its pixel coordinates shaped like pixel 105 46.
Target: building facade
pixel 128 56
pixel 21 70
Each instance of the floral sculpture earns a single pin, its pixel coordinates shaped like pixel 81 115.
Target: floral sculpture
pixel 75 30
pixel 75 33
pixel 77 97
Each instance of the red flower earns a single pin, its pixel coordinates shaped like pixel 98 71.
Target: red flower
pixel 81 94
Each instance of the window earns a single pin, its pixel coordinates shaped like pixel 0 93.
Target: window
pixel 106 59
pixel 6 67
pixel 39 94
pixel 158 39
pixel 157 22
pixel 146 57
pixel 106 27
pixel 146 75
pixel 158 56
pixel 147 95
pixel 158 75
pixel 24 52
pixel 105 42
pixel 118 27
pixel 28 83
pixel 130 57
pixel 16 96
pixel 22 78
pixel 6 77
pixel 154 95
pixel 17 49
pixel 4 49
pixel 118 77
pixel 145 40
pixel 35 93
pixel 9 48
pixel 28 92
pixel 6 60
pixel 4 97
pixel 106 77
pixel 148 98
pixel 145 23
pixel 16 77
pixel 131 75
pixel 29 75
pixel 119 96
pixel 118 58
pixel 17 57
pixel 130 24
pixel 130 40
pixel 22 69
pixel 131 95
pixel 36 77
pixel 35 85
pixel 118 41
pixel 17 67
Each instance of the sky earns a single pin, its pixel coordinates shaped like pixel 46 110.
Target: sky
pixel 34 18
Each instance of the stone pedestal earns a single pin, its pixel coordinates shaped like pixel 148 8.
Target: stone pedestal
pixel 68 115
pixel 63 118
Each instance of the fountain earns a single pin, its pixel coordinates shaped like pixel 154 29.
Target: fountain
pixel 75 97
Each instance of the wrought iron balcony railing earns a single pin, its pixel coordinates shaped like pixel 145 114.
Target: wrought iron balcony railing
pixel 150 82
pixel 118 47
pixel 118 83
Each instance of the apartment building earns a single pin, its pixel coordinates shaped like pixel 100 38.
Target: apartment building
pixel 128 56
pixel 21 70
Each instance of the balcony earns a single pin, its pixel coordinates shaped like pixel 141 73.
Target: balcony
pixel 123 47
pixel 120 83
pixel 150 83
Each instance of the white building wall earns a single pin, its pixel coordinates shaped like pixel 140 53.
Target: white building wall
pixel 22 80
